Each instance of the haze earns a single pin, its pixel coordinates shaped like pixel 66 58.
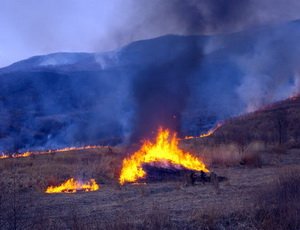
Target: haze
pixel 34 27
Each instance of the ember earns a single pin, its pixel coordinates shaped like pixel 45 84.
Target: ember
pixel 72 186
pixel 165 149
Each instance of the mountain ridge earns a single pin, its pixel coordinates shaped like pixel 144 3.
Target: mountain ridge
pixel 185 83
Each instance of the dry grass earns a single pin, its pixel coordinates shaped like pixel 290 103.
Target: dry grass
pixel 40 171
pixel 164 205
pixel 280 205
pixel 228 155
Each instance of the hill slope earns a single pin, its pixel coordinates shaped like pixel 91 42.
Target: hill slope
pixel 278 123
pixel 186 83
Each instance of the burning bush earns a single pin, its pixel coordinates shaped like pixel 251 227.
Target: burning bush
pixel 164 150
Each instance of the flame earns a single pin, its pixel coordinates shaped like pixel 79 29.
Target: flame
pixel 15 155
pixel 3 156
pixel 27 154
pixel 20 155
pixel 164 149
pixel 207 134
pixel 76 148
pixel 72 186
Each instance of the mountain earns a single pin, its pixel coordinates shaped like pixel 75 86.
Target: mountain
pixel 186 83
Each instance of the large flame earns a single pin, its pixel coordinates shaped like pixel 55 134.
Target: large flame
pixel 165 148
pixel 72 186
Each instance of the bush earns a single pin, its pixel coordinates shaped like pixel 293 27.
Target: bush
pixel 252 159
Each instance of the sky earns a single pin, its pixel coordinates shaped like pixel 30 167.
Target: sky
pixel 35 27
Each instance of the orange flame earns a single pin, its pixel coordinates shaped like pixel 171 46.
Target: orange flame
pixel 27 154
pixel 164 149
pixel 72 186
pixel 207 134
pixel 76 148
pixel 15 155
pixel 3 156
pixel 20 155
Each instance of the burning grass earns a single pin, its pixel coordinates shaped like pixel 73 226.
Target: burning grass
pixel 73 186
pixel 165 150
pixel 25 180
pixel 50 151
pixel 207 134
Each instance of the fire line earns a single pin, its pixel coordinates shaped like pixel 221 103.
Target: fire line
pixel 207 134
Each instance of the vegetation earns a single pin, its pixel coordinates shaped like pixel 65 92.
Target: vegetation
pixel 262 191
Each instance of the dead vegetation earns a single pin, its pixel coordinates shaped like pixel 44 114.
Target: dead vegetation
pixel 258 153
pixel 228 155
pixel 235 203
pixel 279 206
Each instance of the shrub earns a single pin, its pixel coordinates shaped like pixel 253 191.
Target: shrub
pixel 252 159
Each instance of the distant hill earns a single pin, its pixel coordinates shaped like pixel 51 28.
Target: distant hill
pixel 186 83
pixel 277 123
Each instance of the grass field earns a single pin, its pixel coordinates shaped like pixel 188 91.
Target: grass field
pixel 262 187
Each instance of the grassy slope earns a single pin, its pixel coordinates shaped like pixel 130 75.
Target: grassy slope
pixel 276 123
pixel 254 175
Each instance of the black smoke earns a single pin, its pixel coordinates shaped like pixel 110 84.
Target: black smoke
pixel 211 16
pixel 161 90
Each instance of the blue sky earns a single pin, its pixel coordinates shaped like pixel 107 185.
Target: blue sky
pixel 33 27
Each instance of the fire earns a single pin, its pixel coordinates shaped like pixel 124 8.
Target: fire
pixel 15 155
pixel 72 186
pixel 211 131
pixel 27 154
pixel 20 155
pixel 76 148
pixel 207 134
pixel 165 149
pixel 3 156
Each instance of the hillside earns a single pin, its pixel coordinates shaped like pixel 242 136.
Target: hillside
pixel 186 83
pixel 277 123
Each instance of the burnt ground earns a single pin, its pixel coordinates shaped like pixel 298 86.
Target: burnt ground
pixel 152 205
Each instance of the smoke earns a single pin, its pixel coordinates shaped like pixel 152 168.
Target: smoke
pixel 271 69
pixel 38 27
pixel 185 83
pixel 161 89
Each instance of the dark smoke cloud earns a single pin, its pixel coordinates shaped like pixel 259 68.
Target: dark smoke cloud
pixel 218 16
pixel 161 90
pixel 210 16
